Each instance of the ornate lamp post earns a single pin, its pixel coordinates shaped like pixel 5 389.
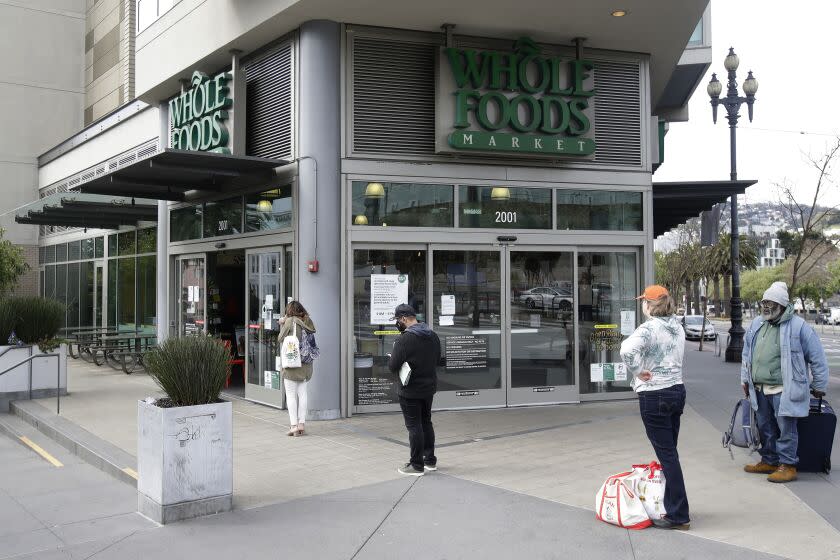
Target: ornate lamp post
pixel 732 103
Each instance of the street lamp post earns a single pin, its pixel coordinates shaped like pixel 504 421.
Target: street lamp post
pixel 732 103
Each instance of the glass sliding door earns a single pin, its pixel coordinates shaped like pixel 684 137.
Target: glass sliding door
pixel 192 295
pixel 268 284
pixel 467 310
pixel 607 285
pixel 541 327
pixel 382 279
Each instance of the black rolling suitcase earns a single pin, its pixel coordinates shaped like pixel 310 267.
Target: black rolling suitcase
pixel 816 436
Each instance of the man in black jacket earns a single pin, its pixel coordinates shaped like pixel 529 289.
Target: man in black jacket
pixel 420 347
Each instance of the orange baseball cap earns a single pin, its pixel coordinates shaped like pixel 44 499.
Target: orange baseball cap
pixel 654 292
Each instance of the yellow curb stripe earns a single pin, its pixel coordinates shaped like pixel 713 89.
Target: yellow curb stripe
pixel 40 451
pixel 130 472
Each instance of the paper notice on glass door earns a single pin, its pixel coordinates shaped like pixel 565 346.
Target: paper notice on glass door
pixel 447 304
pixel 600 372
pixel 190 294
pixel 387 291
pixel 628 322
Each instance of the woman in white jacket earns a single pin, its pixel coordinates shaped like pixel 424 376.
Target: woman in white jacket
pixel 653 354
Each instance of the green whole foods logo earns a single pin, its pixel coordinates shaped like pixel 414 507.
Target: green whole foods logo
pixel 520 101
pixel 198 115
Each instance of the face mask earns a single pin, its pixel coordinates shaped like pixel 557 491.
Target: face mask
pixel 400 326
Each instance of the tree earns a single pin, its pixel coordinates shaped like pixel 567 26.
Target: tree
pixel 810 247
pixel 719 263
pixel 13 265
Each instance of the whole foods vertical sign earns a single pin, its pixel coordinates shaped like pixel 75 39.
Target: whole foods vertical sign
pixel 520 102
pixel 199 115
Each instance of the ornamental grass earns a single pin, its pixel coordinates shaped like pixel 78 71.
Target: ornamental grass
pixel 191 370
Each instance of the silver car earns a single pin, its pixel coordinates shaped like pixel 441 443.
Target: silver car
pixel 693 324
pixel 545 297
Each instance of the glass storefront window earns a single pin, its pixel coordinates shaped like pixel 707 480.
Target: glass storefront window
pixel 86 294
pixel 72 300
pixel 125 294
pixel 112 245
pixel 185 223
pixel 50 254
pixel 223 217
pixel 269 210
pixel 599 210
pixel 99 246
pixel 74 250
pixel 504 208
pixel 146 293
pixel 61 287
pixel 112 293
pixel 402 204
pixel 380 274
pixel 42 255
pixel 61 252
pixel 608 283
pixel 87 248
pixel 146 241
pixel 127 241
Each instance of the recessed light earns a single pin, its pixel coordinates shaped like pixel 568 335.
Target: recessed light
pixel 619 13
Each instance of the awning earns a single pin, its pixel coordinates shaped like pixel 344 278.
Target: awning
pixel 169 174
pixel 675 203
pixel 87 211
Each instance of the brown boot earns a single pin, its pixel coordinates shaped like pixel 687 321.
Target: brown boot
pixel 761 468
pixel 785 473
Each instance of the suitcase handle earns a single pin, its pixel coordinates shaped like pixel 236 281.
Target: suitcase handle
pixel 818 408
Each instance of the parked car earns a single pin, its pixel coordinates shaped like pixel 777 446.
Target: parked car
pixel 823 317
pixel 547 298
pixel 834 317
pixel 693 324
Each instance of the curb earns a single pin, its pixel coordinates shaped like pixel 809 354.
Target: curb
pixel 91 449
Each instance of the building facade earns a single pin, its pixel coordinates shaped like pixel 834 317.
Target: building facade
pixel 498 183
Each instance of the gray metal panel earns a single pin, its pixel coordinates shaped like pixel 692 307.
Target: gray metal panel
pixel 618 112
pixel 393 97
pixel 270 103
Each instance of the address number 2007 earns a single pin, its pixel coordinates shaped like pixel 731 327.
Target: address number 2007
pixel 506 217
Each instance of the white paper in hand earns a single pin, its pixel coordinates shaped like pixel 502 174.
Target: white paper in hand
pixel 405 374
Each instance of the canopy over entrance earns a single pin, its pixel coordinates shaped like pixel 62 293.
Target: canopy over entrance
pixel 170 174
pixel 71 209
pixel 675 203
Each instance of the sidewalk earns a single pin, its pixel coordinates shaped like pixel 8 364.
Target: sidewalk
pixel 515 481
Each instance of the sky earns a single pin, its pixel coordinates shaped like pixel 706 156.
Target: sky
pixel 790 47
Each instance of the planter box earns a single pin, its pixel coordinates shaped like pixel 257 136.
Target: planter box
pixel 14 384
pixel 184 460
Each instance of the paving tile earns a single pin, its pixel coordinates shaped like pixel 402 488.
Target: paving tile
pixel 112 527
pixel 15 544
pixel 15 519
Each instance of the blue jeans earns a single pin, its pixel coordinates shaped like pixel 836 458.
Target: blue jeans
pixel 779 435
pixel 661 411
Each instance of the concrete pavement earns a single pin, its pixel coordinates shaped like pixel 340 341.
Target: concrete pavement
pixel 515 481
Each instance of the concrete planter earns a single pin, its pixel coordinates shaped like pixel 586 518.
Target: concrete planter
pixel 184 460
pixel 14 384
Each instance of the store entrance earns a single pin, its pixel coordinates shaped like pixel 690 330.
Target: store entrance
pixel 519 325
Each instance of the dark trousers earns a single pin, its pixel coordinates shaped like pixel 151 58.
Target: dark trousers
pixel 661 411
pixel 421 434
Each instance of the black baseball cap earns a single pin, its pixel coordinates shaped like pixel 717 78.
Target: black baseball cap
pixel 403 310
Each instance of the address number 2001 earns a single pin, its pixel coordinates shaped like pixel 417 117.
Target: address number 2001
pixel 505 217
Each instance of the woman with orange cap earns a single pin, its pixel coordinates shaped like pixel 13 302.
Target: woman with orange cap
pixel 653 354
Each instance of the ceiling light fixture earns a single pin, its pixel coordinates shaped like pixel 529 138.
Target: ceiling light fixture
pixel 264 206
pixel 360 220
pixel 500 193
pixel 619 13
pixel 374 190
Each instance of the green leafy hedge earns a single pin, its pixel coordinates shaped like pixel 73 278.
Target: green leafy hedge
pixel 191 370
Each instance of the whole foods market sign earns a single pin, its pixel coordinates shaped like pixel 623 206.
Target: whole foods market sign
pixel 521 102
pixel 199 115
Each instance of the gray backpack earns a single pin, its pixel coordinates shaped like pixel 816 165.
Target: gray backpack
pixel 743 430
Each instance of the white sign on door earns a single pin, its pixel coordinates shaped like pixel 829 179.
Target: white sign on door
pixel 387 291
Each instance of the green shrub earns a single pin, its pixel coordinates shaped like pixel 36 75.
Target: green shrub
pixel 8 318
pixel 38 319
pixel 191 370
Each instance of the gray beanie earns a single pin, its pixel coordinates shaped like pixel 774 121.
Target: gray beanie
pixel 777 292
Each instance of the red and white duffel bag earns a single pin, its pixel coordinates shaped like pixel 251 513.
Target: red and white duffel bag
pixel 618 503
pixel 650 486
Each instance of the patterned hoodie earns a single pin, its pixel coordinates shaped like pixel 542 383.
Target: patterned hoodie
pixel 657 346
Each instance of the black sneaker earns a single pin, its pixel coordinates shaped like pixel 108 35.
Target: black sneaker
pixel 410 470
pixel 430 467
pixel 666 523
